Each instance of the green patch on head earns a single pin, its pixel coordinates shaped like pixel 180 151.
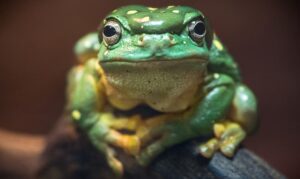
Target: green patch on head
pixel 142 19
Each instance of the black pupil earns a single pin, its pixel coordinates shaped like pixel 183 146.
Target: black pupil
pixel 199 28
pixel 109 31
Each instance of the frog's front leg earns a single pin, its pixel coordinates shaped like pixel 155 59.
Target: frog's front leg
pixel 130 143
pixel 214 105
pixel 242 120
pixel 103 137
pixel 86 101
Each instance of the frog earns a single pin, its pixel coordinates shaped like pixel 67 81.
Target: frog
pixel 169 60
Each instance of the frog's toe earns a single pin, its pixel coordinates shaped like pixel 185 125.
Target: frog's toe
pixel 228 150
pixel 150 152
pixel 231 138
pixel 228 136
pixel 157 147
pixel 114 163
pixel 117 167
pixel 132 144
pixel 219 129
pixel 209 148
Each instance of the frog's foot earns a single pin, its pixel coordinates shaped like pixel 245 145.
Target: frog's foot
pixel 162 137
pixel 129 143
pixel 153 150
pixel 209 148
pixel 104 138
pixel 228 136
pixel 157 134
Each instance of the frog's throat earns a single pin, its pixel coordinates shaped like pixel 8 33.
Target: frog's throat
pixel 164 85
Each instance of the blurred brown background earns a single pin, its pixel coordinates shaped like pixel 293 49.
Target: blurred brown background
pixel 37 37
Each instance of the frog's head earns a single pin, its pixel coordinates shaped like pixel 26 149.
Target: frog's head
pixel 139 33
pixel 163 47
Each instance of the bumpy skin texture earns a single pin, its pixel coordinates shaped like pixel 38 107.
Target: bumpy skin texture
pixel 194 84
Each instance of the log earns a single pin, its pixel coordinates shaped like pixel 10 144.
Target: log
pixel 68 154
pixel 19 154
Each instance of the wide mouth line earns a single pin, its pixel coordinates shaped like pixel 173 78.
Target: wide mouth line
pixel 200 59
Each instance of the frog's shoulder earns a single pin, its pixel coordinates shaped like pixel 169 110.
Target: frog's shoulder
pixel 220 60
pixel 87 47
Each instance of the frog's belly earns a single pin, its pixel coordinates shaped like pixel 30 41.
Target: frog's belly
pixel 166 86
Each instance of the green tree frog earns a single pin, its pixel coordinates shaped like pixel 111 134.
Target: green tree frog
pixel 169 60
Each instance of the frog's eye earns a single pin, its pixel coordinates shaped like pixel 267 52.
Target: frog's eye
pixel 197 30
pixel 111 32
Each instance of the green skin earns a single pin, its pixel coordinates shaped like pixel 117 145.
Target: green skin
pixel 224 108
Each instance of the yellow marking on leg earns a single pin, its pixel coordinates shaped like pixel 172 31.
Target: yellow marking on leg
pixel 76 115
pixel 131 123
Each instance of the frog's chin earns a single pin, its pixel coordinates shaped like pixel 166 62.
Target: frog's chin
pixel 164 85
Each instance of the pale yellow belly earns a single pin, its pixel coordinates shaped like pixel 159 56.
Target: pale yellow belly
pixel 166 86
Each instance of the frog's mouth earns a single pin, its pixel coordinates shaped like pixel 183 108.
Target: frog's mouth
pixel 165 85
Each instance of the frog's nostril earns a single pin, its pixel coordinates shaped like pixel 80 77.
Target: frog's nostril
pixel 141 38
pixel 171 40
pixel 141 41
